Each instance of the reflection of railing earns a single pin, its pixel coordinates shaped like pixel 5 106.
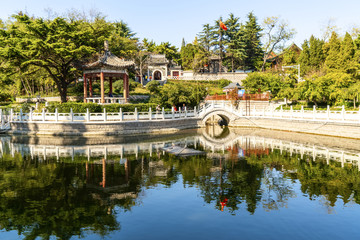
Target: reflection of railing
pixel 249 144
pixel 103 151
pixel 254 97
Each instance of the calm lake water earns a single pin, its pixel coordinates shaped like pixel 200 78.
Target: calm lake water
pixel 245 184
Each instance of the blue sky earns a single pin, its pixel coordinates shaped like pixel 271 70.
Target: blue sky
pixel 170 21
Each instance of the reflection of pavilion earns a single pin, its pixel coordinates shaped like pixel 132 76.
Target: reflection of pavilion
pixel 108 67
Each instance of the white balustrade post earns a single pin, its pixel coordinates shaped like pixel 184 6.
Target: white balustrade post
pixel 87 115
pixel 56 115
pixel 43 114
pixel 195 112
pixel 302 112
pixel 30 114
pixel 1 119
pixel 21 115
pixel 121 115
pixel 343 113
pixel 173 112
pixel 291 112
pixel 281 111
pixel 185 112
pixel 163 113
pixel 150 114
pixel 105 115
pixel 136 114
pixel 328 112
pixel 71 115
pixel 11 115
pixel 314 112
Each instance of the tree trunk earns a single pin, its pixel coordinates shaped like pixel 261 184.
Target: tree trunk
pixel 141 76
pixel 63 93
pixel 354 103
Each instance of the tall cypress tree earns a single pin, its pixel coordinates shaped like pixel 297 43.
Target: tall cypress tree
pixel 348 62
pixel 304 58
pixel 254 52
pixel 317 56
pixel 333 48
pixel 235 43
pixel 206 37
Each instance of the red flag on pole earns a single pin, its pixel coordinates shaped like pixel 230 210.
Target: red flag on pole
pixel 223 26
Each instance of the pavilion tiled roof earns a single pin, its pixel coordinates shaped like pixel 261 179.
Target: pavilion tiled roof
pixel 107 59
pixel 157 59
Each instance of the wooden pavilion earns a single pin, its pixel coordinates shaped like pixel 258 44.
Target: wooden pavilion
pixel 108 67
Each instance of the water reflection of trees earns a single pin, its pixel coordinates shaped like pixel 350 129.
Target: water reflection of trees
pixel 267 178
pixel 50 198
pixel 77 196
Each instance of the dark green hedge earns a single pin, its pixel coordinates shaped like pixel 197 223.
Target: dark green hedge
pixel 94 107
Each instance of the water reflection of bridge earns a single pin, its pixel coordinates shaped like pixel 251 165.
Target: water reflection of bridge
pixel 215 147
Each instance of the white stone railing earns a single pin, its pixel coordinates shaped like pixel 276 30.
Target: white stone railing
pixel 119 100
pixel 99 117
pixel 268 112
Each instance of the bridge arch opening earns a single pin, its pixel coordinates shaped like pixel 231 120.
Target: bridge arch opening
pixel 218 119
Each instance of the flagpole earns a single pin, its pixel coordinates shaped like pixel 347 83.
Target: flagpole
pixel 220 45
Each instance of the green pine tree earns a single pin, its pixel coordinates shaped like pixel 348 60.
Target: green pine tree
pixel 252 35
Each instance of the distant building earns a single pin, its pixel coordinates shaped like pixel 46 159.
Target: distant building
pixel 276 60
pixel 160 68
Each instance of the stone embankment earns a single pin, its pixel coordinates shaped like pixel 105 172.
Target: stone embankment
pixel 338 129
pixel 102 128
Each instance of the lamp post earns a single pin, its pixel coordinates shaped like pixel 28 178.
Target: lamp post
pixel 296 67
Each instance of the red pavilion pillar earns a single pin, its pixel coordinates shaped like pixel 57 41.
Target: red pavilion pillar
pixel 110 86
pixel 90 87
pixel 126 87
pixel 102 87
pixel 85 88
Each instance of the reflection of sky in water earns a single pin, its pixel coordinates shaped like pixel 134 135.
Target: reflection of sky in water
pixel 280 190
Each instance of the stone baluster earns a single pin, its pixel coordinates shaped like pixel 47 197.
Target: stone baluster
pixel 328 113
pixel 1 119
pixel 43 114
pixel 195 112
pixel 21 115
pixel 163 113
pixel 105 115
pixel 121 115
pixel 71 115
pixel 56 114
pixel 343 113
pixel 150 114
pixel 87 115
pixel 136 114
pixel 11 115
pixel 314 112
pixel 291 112
pixel 302 112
